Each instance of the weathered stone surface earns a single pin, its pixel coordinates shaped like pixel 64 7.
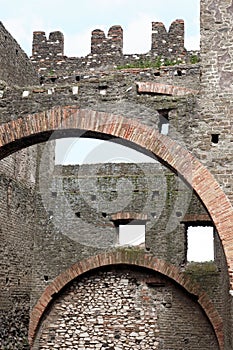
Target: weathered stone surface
pixel 35 247
pixel 124 316
pixel 16 68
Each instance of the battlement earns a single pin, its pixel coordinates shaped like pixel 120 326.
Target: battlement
pixel 52 47
pixel 107 50
pixel 169 43
pixel 113 43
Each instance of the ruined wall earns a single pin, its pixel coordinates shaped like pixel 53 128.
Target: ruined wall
pixel 168 44
pixel 16 68
pixel 216 90
pixel 17 218
pixel 75 210
pixel 107 50
pixel 201 123
pixel 17 231
pixel 124 308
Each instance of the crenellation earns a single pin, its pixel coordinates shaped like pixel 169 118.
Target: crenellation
pixel 107 50
pixel 51 49
pixel 168 44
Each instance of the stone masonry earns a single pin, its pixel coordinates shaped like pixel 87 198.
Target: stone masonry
pixel 65 283
pixel 124 309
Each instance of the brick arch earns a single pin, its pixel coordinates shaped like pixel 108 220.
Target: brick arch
pixel 38 127
pixel 128 257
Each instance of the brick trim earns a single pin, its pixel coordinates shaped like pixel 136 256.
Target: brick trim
pixel 129 257
pixel 163 89
pixel 197 218
pixel 129 216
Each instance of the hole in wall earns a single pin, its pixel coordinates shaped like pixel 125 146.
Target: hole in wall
pixel 77 78
pixel 104 215
pixel 42 79
pixel 215 138
pixel 179 73
pixel 46 278
pixel 155 194
pixel 53 79
pixel 163 124
pixel 78 214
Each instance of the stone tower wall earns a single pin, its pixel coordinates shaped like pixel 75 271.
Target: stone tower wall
pixel 16 68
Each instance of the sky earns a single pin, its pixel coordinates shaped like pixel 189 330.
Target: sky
pixel 76 19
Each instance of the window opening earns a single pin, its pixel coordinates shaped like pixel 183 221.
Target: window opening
pixel 200 243
pixel 132 234
pixel 163 124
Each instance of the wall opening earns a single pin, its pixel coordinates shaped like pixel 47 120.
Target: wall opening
pixel 163 124
pixel 200 243
pixel 215 138
pixel 131 234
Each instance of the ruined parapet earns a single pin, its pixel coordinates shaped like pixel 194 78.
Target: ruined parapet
pixel 107 51
pixel 112 44
pixel 47 49
pixel 168 44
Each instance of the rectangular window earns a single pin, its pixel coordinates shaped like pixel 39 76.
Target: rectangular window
pixel 132 234
pixel 200 247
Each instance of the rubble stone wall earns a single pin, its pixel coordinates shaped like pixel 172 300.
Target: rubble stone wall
pixel 125 309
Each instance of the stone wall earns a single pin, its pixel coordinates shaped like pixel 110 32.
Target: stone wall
pixel 168 44
pixel 100 45
pixel 125 309
pixel 216 89
pixel 68 219
pixel 107 51
pixel 16 68
pixel 17 218
pixel 75 209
